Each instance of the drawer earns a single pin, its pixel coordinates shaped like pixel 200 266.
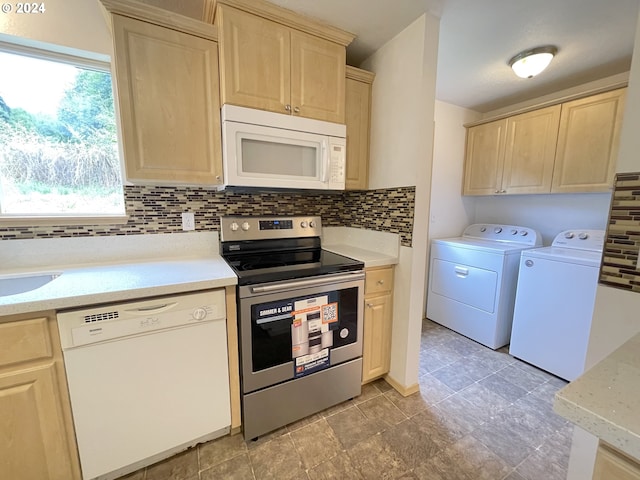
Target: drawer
pixel 378 281
pixel 25 340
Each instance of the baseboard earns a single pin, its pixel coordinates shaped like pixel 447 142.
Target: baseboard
pixel 401 389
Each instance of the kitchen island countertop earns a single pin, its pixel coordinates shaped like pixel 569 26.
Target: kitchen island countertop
pixel 605 400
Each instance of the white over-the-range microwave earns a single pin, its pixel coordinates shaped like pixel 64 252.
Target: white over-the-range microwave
pixel 272 150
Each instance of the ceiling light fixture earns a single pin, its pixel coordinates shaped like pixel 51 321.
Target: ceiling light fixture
pixel 531 62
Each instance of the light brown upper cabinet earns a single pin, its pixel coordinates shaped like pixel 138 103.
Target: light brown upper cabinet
pixel 512 155
pixel 266 63
pixel 166 74
pixel 569 147
pixel 588 143
pixel 358 121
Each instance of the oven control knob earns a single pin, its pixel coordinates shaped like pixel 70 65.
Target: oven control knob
pixel 513 231
pixel 568 235
pixel 312 224
pixel 583 236
pixel 234 227
pixel 304 224
pixel 199 313
pixel 245 226
pixel 497 230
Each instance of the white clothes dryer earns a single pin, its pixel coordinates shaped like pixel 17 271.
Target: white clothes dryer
pixel 472 280
pixel 554 302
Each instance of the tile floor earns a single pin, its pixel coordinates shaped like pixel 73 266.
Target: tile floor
pixel 480 415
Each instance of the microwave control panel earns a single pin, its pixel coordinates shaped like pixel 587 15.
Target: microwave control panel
pixel 337 164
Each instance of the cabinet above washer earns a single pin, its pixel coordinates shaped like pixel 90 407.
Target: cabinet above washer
pixel 568 147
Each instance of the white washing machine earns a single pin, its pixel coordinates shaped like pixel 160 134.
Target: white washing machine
pixel 554 302
pixel 472 280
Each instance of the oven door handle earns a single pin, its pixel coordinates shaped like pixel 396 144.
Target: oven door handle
pixel 312 282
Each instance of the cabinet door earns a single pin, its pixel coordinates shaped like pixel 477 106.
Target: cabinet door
pixel 167 85
pixel 530 150
pixel 376 352
pixel 588 143
pixel 611 465
pixel 317 77
pixel 484 158
pixel 33 443
pixel 255 61
pixel 357 119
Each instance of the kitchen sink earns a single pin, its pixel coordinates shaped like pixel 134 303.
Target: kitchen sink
pixel 21 283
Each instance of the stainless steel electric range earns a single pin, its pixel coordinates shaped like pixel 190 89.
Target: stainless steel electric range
pixel 299 319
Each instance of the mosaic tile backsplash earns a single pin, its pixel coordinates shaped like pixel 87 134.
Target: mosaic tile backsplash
pixel 154 210
pixel 620 257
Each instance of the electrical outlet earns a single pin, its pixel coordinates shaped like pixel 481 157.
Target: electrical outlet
pixel 188 221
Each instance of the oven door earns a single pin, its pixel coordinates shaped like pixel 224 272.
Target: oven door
pixel 294 328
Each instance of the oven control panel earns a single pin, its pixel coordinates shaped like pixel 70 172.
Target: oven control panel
pixel 261 228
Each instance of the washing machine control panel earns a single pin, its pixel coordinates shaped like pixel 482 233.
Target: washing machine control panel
pixel 582 239
pixel 504 233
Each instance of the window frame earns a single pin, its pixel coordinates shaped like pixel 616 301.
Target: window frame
pixel 88 61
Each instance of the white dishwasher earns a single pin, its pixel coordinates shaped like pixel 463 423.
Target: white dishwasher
pixel 147 379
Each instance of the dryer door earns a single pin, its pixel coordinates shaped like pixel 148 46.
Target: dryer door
pixel 472 286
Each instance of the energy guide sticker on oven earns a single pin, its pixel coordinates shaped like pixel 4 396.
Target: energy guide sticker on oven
pixel 311 334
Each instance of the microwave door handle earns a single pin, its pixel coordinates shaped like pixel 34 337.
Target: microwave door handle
pixel 325 161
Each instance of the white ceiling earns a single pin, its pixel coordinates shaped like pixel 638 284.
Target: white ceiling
pixel 477 38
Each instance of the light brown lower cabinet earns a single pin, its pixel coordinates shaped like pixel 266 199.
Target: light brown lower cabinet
pixel 378 300
pixel 614 465
pixel 37 440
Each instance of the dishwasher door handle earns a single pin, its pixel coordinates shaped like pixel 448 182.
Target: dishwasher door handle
pixel 312 282
pixel 152 309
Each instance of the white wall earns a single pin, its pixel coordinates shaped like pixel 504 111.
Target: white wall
pixel 74 24
pixel 549 214
pixel 450 211
pixel 401 155
pixel 615 316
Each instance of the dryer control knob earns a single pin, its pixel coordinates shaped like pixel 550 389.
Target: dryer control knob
pixel 569 235
pixel 524 233
pixel 583 236
pixel 514 231
pixel 497 230
pixel 483 229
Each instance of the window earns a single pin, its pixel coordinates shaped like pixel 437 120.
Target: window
pixel 58 138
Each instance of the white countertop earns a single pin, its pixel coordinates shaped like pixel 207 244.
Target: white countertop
pixel 112 269
pixel 375 249
pixel 605 400
pixel 369 257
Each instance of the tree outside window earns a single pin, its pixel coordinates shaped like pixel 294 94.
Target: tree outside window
pixel 58 139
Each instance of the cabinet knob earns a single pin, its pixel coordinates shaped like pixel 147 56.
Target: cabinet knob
pixel 497 191
pixel 380 282
pixel 369 305
pixel 287 107
pixel 296 110
pixel 503 191
pixel 218 177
